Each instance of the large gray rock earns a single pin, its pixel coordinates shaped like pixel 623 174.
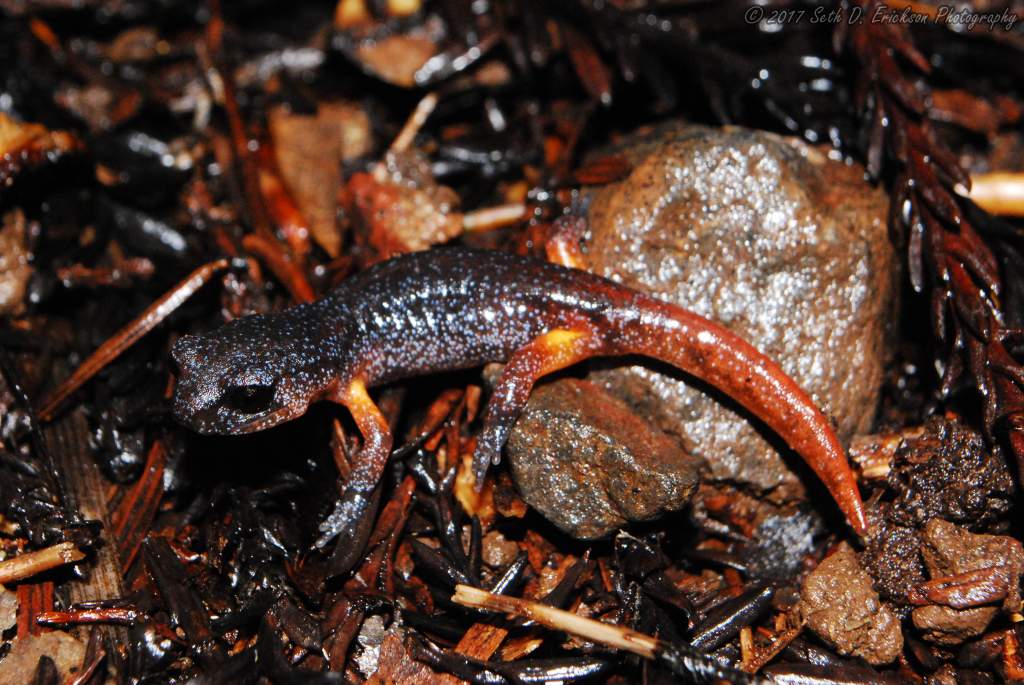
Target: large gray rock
pixel 769 237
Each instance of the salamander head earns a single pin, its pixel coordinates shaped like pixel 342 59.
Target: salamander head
pixel 251 374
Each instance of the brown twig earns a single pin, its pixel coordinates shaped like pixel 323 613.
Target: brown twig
pixel 33 563
pixel 130 334
pixel 1000 193
pixel 118 615
pixel 281 206
pixel 286 271
pixel 259 217
pixel 133 516
pixel 614 636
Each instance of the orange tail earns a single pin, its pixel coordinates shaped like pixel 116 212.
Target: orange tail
pixel 710 352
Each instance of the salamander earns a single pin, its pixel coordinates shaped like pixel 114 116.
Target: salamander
pixel 457 308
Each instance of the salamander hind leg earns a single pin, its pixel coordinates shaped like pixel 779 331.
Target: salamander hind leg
pixel 563 244
pixel 352 519
pixel 550 352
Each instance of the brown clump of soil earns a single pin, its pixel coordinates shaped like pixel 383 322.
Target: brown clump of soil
pixel 948 473
pixel 950 550
pixel 892 555
pixel 941 471
pixel 399 207
pixel 948 626
pixel 842 608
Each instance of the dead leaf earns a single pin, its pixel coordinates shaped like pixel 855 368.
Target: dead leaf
pixel 19 666
pixel 396 59
pixel 310 151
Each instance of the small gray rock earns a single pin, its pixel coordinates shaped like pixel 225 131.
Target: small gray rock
pixel 590 465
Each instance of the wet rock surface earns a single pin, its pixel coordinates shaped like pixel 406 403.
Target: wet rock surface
pixel 780 543
pixel 776 541
pixel 842 608
pixel 590 465
pixel 769 238
pixel 936 473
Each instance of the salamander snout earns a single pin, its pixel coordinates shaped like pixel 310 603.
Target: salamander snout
pixel 232 382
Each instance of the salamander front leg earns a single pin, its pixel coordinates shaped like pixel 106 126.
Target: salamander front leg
pixel 545 354
pixel 352 518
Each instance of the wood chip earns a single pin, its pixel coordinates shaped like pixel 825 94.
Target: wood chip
pixel 24 145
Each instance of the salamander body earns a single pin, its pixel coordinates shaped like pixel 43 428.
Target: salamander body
pixel 458 308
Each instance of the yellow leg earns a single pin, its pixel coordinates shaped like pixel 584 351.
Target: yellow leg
pixel 369 463
pixel 550 352
pixel 352 519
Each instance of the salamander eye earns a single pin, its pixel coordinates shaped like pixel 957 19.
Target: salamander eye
pixel 248 399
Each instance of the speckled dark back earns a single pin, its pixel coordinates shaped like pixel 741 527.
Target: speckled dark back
pixel 457 308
